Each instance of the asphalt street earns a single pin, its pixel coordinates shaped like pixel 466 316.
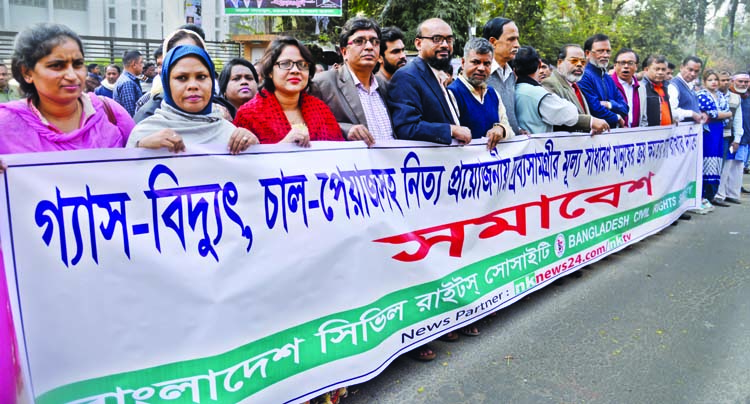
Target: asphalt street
pixel 666 320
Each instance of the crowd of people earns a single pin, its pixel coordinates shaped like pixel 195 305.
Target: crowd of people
pixel 502 90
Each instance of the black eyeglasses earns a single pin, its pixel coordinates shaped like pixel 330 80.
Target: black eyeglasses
pixel 361 41
pixel 438 39
pixel 287 65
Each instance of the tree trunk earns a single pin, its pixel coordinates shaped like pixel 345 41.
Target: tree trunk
pixel 700 21
pixel 732 15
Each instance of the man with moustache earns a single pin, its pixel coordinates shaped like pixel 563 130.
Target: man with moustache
pixel 392 53
pixel 503 35
pixel 564 82
pixel 538 110
pixel 682 99
pixel 354 94
pixel 419 103
pixel 656 103
pixel 479 106
pixel 730 186
pixel 626 63
pixel 604 100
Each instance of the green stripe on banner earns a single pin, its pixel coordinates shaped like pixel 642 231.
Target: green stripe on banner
pixel 242 372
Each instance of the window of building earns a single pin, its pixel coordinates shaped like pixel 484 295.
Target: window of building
pixel 135 31
pixel 32 3
pixel 134 15
pixel 143 31
pixel 111 12
pixel 80 5
pixel 112 29
pixel 143 15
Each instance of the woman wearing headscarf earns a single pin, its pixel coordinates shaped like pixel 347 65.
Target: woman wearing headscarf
pixel 48 63
pixel 187 114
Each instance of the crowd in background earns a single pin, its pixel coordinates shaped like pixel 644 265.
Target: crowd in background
pixel 500 91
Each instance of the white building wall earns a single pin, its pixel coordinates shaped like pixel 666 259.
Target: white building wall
pixel 159 17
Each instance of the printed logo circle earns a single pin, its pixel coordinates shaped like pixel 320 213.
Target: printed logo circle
pixel 560 245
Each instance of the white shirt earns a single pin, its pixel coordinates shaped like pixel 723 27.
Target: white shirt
pixel 503 73
pixel 445 93
pixel 678 114
pixel 629 96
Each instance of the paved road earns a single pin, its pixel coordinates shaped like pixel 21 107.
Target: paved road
pixel 666 320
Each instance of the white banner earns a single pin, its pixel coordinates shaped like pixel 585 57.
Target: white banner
pixel 281 273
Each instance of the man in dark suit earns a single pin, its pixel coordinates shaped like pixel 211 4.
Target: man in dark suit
pixel 356 97
pixel 419 103
pixel 564 82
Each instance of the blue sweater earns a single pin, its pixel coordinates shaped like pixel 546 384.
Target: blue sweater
pixel 597 86
pixel 474 115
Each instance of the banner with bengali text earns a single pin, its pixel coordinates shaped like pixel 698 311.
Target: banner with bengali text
pixel 276 275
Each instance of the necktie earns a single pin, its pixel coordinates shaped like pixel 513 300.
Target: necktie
pixel 579 95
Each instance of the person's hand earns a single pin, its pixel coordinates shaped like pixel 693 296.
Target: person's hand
pixel 240 140
pixel 733 148
pixel 620 122
pixel 700 118
pixel 495 135
pixel 300 137
pixel 360 132
pixel 164 138
pixel 461 133
pixel 598 126
pixel 3 167
pixel 606 104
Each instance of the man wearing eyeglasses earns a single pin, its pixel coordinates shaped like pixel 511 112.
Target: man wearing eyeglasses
pixel 626 64
pixel 7 93
pixel 354 94
pixel 571 62
pixel 419 103
pixel 656 102
pixel 603 97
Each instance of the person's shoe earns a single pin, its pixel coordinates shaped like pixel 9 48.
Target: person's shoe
pixel 719 202
pixel 685 216
pixel 706 204
pixel 733 200
pixel 744 191
pixel 746 170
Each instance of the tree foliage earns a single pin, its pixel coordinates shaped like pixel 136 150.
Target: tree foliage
pixel 716 30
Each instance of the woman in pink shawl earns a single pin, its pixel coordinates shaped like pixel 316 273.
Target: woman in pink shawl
pixel 56 114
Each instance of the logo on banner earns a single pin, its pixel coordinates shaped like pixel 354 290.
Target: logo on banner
pixel 560 245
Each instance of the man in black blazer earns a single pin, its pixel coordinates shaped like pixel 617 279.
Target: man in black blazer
pixel 420 106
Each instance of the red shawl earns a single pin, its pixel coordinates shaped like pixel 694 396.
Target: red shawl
pixel 264 117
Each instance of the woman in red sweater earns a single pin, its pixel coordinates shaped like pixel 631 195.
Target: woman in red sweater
pixel 283 111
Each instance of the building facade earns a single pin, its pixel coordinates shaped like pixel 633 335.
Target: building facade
pixel 146 19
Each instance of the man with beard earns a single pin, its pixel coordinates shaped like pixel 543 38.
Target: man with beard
pixel 682 99
pixel 392 53
pixel 731 174
pixel 626 63
pixel 503 35
pixel 354 94
pixel 656 103
pixel 538 110
pixel 564 82
pixel 419 103
pixel 479 106
pixel 604 100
